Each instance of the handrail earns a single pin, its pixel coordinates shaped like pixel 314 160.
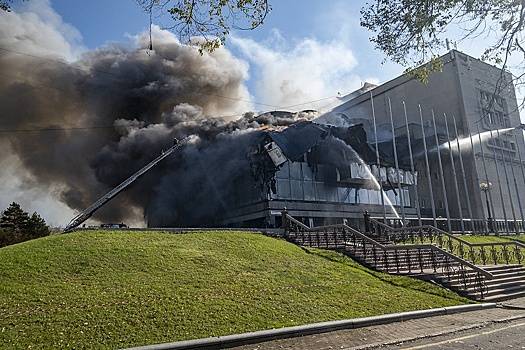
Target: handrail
pixel 390 246
pixel 451 236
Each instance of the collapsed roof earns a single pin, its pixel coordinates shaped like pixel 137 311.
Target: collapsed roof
pixel 331 144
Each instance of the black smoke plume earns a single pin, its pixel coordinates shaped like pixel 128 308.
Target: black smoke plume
pixel 134 102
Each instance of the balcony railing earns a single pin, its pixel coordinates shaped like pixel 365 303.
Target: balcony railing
pixel 511 252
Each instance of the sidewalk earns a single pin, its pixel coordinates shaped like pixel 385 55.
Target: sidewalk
pixel 369 337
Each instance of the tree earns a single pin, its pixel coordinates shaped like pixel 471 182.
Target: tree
pixel 210 20
pixel 14 219
pixel 410 32
pixel 38 226
pixel 6 5
pixel 17 226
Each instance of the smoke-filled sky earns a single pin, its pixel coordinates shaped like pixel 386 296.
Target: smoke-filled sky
pixel 82 64
pixel 139 101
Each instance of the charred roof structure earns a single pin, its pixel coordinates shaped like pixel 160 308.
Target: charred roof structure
pixel 320 173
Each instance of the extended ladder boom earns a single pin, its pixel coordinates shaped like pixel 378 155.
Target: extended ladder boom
pixel 86 214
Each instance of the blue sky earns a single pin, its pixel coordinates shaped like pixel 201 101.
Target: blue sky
pixel 292 21
pixel 313 46
pixel 306 50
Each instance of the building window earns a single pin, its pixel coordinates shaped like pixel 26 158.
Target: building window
pixel 488 116
pixel 498 118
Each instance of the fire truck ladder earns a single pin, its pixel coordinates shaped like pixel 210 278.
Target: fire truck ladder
pixel 88 212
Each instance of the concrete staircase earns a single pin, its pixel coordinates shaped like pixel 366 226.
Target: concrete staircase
pixel 508 283
pixel 425 261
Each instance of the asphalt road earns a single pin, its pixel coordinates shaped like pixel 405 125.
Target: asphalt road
pixel 505 335
pixel 498 328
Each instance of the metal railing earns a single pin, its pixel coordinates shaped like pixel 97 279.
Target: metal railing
pixel 497 253
pixel 406 258
pixel 475 226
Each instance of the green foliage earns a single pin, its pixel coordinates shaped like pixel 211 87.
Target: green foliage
pixel 17 226
pixel 423 72
pixel 493 239
pixel 5 5
pixel 7 238
pixel 37 226
pixel 14 219
pixel 411 32
pixel 207 23
pixel 117 289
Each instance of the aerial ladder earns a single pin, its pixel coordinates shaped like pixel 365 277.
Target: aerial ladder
pixel 88 212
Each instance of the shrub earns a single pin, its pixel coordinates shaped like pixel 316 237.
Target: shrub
pixel 17 226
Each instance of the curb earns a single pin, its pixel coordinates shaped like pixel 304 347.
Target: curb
pixel 229 341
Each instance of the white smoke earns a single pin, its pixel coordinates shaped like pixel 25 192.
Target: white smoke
pixel 37 29
pixel 305 71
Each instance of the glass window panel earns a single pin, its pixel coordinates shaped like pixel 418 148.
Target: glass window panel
pixel 283 172
pixel 363 196
pixel 309 192
pixel 320 172
pixel 307 171
pixel 331 193
pixel 283 189
pixel 320 191
pixel 295 171
pixel 406 197
pixel 297 189
pixel 374 197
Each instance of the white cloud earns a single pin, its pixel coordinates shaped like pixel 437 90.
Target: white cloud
pixel 37 29
pixel 308 70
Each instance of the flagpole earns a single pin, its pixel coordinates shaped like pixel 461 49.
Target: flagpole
pixel 412 168
pixel 396 162
pixel 378 161
pixel 456 186
pixel 429 177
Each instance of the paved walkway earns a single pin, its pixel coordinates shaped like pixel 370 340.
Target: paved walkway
pixel 508 335
pixel 402 332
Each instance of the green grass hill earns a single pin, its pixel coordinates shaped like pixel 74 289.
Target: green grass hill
pixel 102 289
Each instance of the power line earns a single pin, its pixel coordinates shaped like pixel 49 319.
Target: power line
pixel 56 129
pixel 69 65
pixel 113 126
pixel 81 128
pixel 118 78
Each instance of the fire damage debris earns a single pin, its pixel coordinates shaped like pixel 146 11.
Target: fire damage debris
pixel 242 170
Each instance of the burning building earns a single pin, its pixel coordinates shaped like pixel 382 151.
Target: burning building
pixel 320 173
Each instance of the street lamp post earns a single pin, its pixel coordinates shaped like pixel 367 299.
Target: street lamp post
pixel 485 188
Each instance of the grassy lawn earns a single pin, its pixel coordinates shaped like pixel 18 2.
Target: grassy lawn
pixel 117 289
pixel 492 239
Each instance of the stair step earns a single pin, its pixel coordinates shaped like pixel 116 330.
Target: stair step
pixel 507 290
pixel 508 281
pixel 505 296
pixel 505 270
pixel 496 286
pixel 507 274
pixel 519 278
